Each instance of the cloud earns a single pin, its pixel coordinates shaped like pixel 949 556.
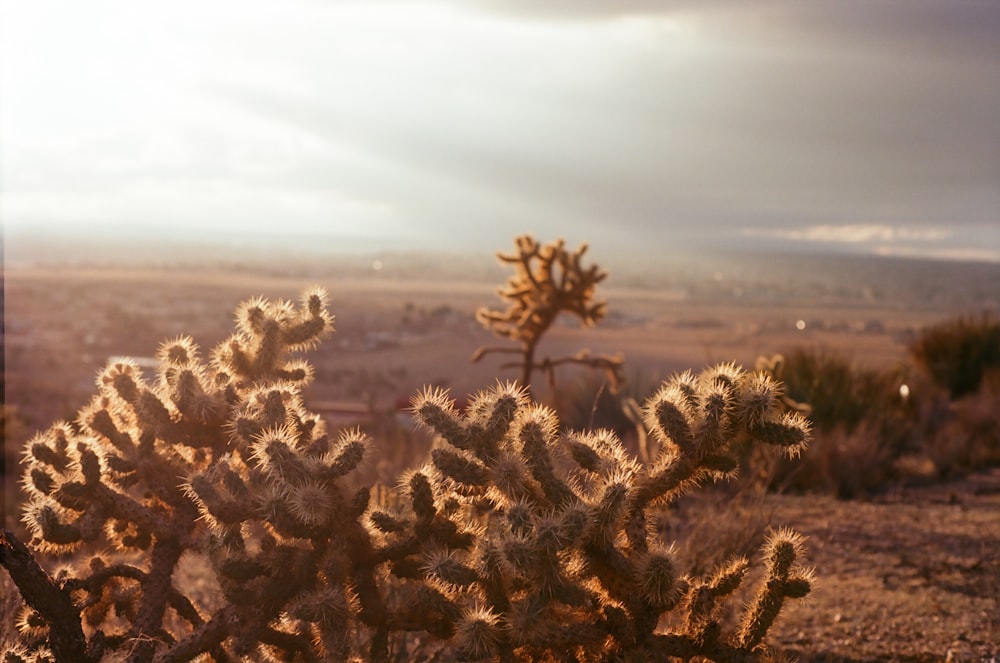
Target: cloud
pixel 969 26
pixel 961 242
pixel 629 123
pixel 854 233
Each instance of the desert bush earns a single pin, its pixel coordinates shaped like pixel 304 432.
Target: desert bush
pixel 845 463
pixel 956 353
pixel 490 548
pixel 869 434
pixel 964 434
pixel 838 393
pixel 862 424
pixel 588 400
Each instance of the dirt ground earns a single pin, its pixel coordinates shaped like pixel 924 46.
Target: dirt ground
pixel 912 575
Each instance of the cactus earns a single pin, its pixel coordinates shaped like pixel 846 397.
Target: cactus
pixel 513 542
pixel 548 280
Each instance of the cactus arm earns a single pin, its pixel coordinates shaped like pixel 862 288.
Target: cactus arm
pixel 156 588
pixel 494 349
pixel 785 579
pixel 39 591
pixel 206 637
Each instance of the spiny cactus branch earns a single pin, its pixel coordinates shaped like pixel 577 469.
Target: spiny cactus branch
pixel 66 637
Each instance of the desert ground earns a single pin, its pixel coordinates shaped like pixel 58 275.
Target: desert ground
pixel 912 574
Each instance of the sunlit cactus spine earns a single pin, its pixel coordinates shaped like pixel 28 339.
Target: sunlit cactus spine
pixel 516 541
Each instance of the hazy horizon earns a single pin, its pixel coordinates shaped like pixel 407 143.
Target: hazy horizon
pixel 215 247
pixel 855 126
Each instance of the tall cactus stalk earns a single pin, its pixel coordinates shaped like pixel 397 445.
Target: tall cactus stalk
pixel 548 280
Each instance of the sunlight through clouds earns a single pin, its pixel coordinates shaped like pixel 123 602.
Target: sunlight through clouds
pixel 469 123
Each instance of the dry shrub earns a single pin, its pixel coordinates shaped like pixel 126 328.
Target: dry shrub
pixel 861 420
pixel 402 445
pixel 968 438
pixel 872 431
pixel 958 352
pixel 846 463
pixel 840 394
pixel 711 526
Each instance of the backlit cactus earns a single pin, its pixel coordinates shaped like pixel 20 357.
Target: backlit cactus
pixel 548 280
pixel 515 541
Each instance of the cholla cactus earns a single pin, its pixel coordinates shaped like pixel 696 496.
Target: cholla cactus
pixel 512 543
pixel 561 564
pixel 191 463
pixel 548 280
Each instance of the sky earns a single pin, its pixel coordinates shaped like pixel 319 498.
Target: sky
pixel 847 125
